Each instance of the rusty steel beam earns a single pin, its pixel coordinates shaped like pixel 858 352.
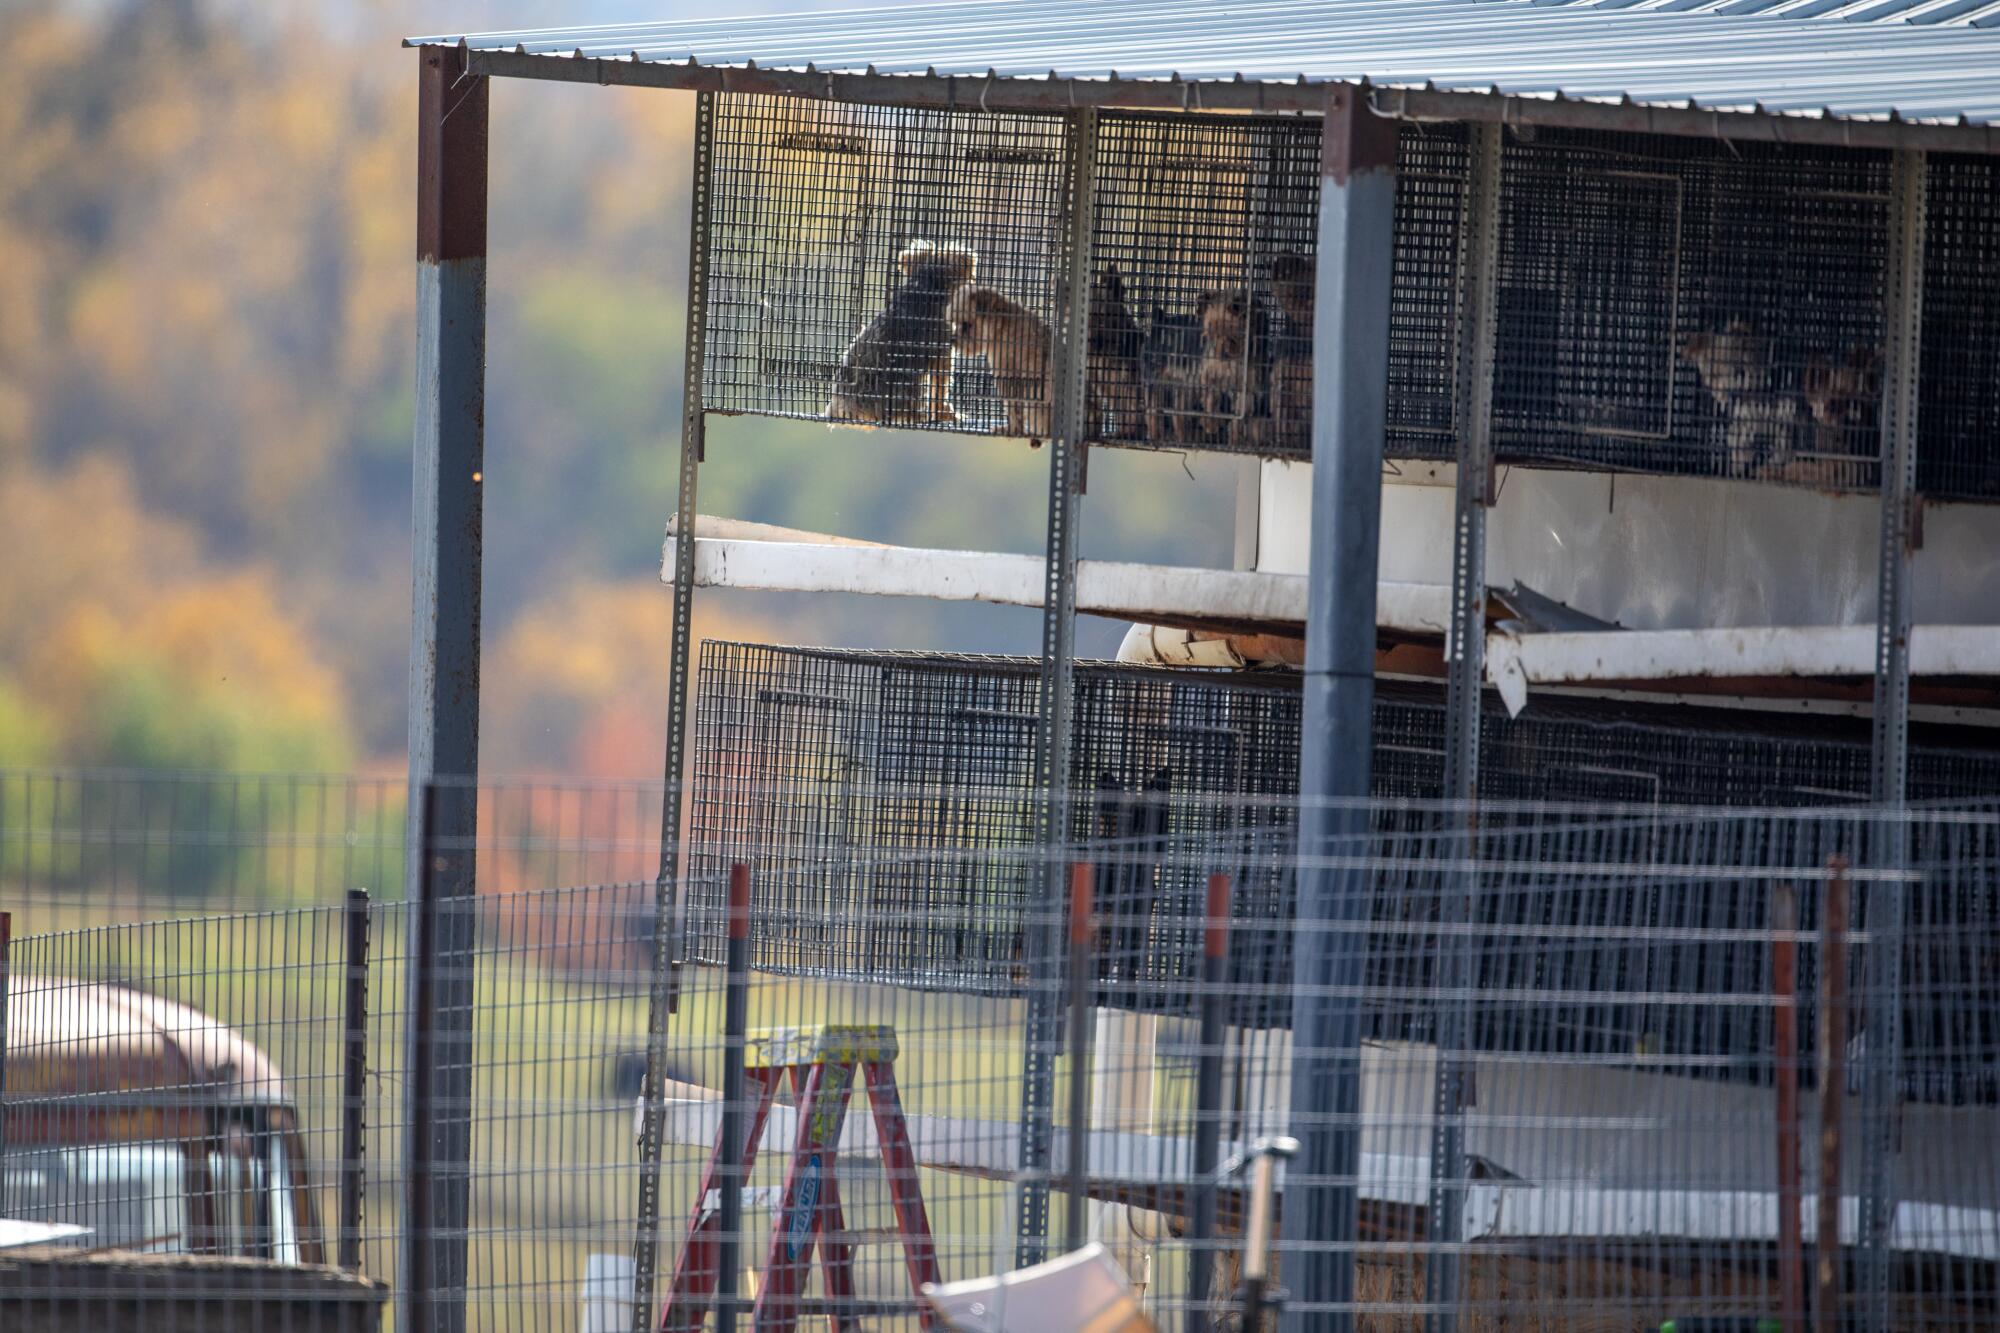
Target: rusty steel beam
pixel 1058 94
pixel 448 470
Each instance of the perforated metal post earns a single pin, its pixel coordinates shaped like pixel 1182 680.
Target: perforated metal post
pixel 1479 247
pixel 448 462
pixel 1903 301
pixel 1044 932
pixel 1350 392
pixel 661 994
pixel 353 1078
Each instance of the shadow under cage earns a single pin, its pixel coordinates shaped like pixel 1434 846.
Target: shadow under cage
pixel 884 802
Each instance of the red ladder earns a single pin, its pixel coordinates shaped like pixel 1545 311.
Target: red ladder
pixel 823 1064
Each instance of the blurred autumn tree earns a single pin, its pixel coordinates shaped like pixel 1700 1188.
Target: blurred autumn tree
pixel 206 293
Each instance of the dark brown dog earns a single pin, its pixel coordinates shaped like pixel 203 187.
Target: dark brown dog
pixel 1292 287
pixel 1170 368
pixel 897 369
pixel 1116 348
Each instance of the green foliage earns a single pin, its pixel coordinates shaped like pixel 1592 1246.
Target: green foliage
pixel 27 740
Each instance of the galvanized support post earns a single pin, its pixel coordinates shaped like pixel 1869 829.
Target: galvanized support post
pixel 1903 301
pixel 1044 930
pixel 1465 654
pixel 446 539
pixel 353 1078
pixel 662 990
pixel 1350 395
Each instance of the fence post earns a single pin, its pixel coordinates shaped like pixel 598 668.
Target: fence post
pixel 354 1079
pixel 1785 1073
pixel 1827 1313
pixel 735 1030
pixel 1208 1098
pixel 6 983
pixel 1082 937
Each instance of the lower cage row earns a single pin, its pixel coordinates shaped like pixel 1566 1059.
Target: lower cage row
pixel 886 805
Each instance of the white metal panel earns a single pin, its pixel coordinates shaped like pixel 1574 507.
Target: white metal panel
pixel 1665 552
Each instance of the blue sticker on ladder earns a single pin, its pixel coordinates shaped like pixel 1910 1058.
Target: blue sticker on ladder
pixel 802 1216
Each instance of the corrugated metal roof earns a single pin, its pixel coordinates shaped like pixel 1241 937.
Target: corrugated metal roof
pixel 1647 52
pixel 1940 13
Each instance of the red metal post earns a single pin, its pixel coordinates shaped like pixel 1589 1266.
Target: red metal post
pixel 1828 1284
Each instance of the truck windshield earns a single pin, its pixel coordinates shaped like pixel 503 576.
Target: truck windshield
pixel 151 1197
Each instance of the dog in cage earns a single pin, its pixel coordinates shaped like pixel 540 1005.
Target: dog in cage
pixel 897 370
pixel 1235 370
pixel 1844 403
pixel 1170 373
pixel 1116 347
pixel 986 322
pixel 1765 427
pixel 1292 285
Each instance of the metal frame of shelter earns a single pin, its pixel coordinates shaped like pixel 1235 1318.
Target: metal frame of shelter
pixel 1356 218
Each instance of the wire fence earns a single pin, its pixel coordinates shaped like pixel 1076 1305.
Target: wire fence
pixel 1612 1058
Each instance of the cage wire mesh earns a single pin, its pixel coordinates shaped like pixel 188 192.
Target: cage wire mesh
pixel 1665 305
pixel 884 265
pixel 884 802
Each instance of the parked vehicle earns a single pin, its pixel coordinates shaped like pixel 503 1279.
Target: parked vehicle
pixel 151 1124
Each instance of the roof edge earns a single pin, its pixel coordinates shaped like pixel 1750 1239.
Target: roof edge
pixel 1005 93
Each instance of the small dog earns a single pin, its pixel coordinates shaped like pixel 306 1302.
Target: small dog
pixel 1117 346
pixel 985 322
pixel 1292 286
pixel 897 370
pixel 1235 370
pixel 1763 427
pixel 1844 402
pixel 1170 369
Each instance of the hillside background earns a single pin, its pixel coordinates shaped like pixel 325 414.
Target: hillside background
pixel 206 288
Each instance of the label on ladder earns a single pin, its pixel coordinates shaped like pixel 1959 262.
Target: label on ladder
pixel 804 1215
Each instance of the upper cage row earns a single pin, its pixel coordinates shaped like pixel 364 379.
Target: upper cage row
pixel 1664 305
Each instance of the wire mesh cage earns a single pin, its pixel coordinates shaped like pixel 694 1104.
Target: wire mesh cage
pixel 1665 305
pixel 885 804
pixel 1959 394
pixel 884 265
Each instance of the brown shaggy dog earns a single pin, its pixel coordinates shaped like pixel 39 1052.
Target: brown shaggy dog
pixel 897 369
pixel 988 323
pixel 1292 279
pixel 1235 370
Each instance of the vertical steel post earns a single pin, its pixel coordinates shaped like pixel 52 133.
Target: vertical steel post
pixel 1465 653
pixel 1350 393
pixel 661 992
pixel 1903 301
pixel 735 1095
pixel 1829 1270
pixel 1082 936
pixel 1052 741
pixel 1208 1099
pixel 448 466
pixel 353 1078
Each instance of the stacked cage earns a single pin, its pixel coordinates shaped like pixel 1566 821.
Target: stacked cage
pixel 885 802
pixel 1665 305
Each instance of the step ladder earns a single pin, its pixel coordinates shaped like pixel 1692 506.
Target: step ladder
pixel 823 1065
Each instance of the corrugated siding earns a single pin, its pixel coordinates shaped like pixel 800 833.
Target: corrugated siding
pixel 1920 60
